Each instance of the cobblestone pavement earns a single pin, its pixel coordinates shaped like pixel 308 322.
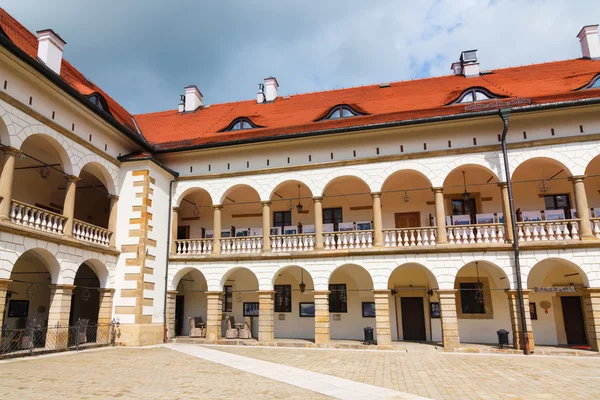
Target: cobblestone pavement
pixel 125 373
pixel 445 375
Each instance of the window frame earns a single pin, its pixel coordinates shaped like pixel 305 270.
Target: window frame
pixel 283 219
pixel 99 101
pixel 338 298
pixel 473 90
pixel 594 84
pixel 333 219
pixel 227 299
pixel 467 297
pixel 566 209
pixel 242 121
pixel 341 108
pixel 285 292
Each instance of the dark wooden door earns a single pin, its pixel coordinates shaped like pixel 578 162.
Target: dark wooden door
pixel 573 318
pixel 408 220
pixel 179 301
pixel 413 318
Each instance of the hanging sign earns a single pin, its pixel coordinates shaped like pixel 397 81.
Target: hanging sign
pixel 555 289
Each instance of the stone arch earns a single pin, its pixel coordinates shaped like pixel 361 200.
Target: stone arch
pixel 229 189
pixel 551 156
pixel 307 275
pixel 100 170
pixel 57 146
pixel 185 188
pixel 481 166
pixel 4 134
pixel 230 185
pixel 183 272
pixel 353 266
pixel 46 258
pixel 428 274
pixel 488 161
pixel 332 176
pixel 281 181
pixel 231 271
pixel 189 191
pixel 100 269
pixel 497 273
pixel 537 273
pixel 394 169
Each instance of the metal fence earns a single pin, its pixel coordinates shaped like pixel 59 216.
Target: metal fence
pixel 35 339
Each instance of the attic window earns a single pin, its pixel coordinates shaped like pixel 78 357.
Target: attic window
pixel 97 100
pixel 240 124
pixel 474 94
pixel 341 111
pixel 594 84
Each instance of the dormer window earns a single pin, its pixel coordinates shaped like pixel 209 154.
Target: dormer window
pixel 594 84
pixel 341 111
pixel 97 100
pixel 240 124
pixel 474 94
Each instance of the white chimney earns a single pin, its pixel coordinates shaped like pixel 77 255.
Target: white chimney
pixel 469 63
pixel 260 95
pixel 271 87
pixel 589 41
pixel 456 68
pixel 181 107
pixel 50 49
pixel 193 98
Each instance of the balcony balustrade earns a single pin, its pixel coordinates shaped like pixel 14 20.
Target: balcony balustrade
pixel 566 229
pixel 242 244
pixel 409 237
pixel 36 218
pixel 476 233
pixel 91 233
pixel 348 240
pixel 194 246
pixel 292 243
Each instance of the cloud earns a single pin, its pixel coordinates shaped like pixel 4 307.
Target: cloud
pixel 144 52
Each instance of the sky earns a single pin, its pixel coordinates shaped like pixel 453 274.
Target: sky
pixel 144 52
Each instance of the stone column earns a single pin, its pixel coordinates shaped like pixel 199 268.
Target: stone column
pixel 6 181
pixel 318 202
pixel 106 305
pixel 217 230
pixel 266 225
pixel 171 300
pixel 174 226
pixel 112 219
pixel 266 328
pixel 515 319
pixel 3 290
pixel 591 307
pixel 321 299
pixel 382 317
pixel 449 318
pixel 58 316
pixel 214 313
pixel 440 215
pixel 69 205
pixel 509 235
pixel 377 220
pixel 583 211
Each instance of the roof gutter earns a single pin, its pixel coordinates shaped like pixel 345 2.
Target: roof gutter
pixel 410 122
pixel 124 159
pixel 58 81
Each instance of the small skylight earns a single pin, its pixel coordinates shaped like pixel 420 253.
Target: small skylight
pixel 240 124
pixel 341 111
pixel 474 94
pixel 594 84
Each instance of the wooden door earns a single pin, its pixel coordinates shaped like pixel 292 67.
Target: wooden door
pixel 408 220
pixel 573 319
pixel 413 318
pixel 179 301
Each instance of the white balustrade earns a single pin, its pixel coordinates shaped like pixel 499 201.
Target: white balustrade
pixel 348 240
pixel 476 234
pixel 241 244
pixel 91 233
pixel 36 218
pixel 595 222
pixel 567 229
pixel 287 243
pixel 409 237
pixel 194 246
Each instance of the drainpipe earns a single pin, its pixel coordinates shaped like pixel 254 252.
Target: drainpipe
pixel 165 325
pixel 504 113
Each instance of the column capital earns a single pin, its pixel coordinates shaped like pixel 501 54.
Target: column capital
pixel 175 208
pixel 382 292
pixel 62 287
pixel 214 293
pixel 438 189
pixel 375 194
pixel 4 283
pixel 11 151
pixel 592 291
pixel 321 292
pixel 446 292
pixel 113 197
pixel 515 292
pixel 72 178
pixel 107 290
pixel 266 203
pixel 172 292
pixel 317 199
pixel 217 206
pixel 502 185
pixel 265 292
pixel 576 178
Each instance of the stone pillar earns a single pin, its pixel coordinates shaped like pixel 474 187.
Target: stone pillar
pixel 440 215
pixel 377 220
pixel 515 319
pixel 266 328
pixel 3 290
pixel 217 230
pixel 174 226
pixel 318 202
pixel 171 300
pixel 509 235
pixel 58 316
pixel 382 317
pixel 449 318
pixel 112 219
pixel 266 225
pixel 583 211
pixel 69 205
pixel 106 306
pixel 6 181
pixel 214 314
pixel 591 307
pixel 322 335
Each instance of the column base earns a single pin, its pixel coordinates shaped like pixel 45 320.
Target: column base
pixel 140 334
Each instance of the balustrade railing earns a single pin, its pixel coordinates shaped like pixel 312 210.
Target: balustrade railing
pixel 194 246
pixel 595 222
pixel 241 244
pixel 348 240
pixel 36 218
pixel 409 237
pixel 301 242
pixel 566 229
pixel 476 233
pixel 91 233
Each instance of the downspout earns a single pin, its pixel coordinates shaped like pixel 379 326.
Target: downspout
pixel 169 230
pixel 504 113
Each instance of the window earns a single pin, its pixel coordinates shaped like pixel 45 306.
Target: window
pixel 283 298
pixel 333 216
pixel 241 124
pixel 471 298
pixel 282 218
pixel 183 232
pixel 558 202
pixel 462 207
pixel 227 298
pixel 340 111
pixel 474 94
pixel 97 100
pixel 594 83
pixel 338 301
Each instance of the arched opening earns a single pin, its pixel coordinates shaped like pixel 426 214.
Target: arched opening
pixel 414 306
pixel 240 300
pixel 85 304
pixel 482 305
pixel 351 302
pixel 190 302
pixel 195 216
pixel 294 303
pixel 292 215
pixel 592 186
pixel 556 303
pixel 92 199
pixel 241 220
